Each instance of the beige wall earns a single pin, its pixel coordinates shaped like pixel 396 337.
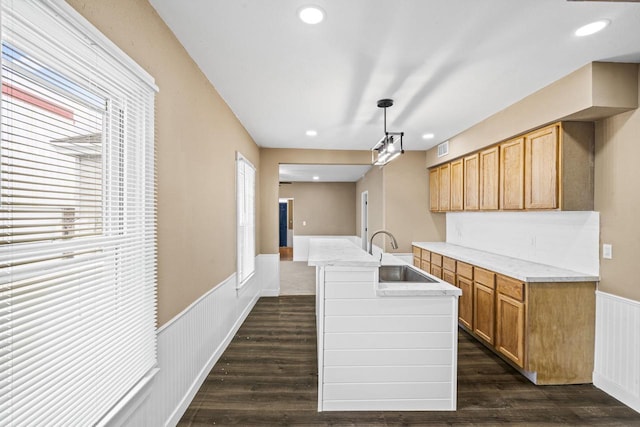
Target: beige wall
pixel 617 197
pixel 406 203
pixel 196 139
pixel 322 208
pixel 372 183
pixel 270 159
pixel 596 90
pixel 398 202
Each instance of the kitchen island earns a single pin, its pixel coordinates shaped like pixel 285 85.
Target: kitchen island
pixel 381 345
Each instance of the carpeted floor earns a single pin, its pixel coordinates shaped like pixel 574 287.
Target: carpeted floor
pixel 297 278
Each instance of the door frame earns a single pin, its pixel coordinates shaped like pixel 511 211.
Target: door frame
pixel 364 220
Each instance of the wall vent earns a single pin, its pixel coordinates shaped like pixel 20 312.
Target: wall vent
pixel 443 149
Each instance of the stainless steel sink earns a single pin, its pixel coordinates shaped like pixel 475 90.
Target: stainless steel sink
pixel 402 273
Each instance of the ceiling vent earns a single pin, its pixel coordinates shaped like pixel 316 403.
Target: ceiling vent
pixel 443 149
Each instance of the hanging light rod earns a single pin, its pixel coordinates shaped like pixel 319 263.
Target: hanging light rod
pixel 386 149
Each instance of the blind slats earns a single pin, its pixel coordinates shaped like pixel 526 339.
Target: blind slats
pixel 77 221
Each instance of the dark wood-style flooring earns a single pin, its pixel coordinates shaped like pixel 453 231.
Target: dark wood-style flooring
pixel 267 376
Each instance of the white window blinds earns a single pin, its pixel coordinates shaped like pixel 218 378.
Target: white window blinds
pixel 77 220
pixel 246 218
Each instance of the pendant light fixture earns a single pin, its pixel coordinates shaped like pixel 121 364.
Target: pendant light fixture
pixel 390 146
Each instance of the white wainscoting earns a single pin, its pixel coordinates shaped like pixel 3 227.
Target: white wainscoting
pixel 617 353
pixel 563 239
pixel 192 342
pixel 301 245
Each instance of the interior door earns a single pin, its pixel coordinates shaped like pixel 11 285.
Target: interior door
pixel 283 224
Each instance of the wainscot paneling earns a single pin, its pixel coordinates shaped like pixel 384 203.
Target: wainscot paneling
pixel 617 353
pixel 192 342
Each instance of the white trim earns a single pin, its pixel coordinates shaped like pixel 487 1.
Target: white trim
pixel 192 342
pixel 77 21
pixel 617 348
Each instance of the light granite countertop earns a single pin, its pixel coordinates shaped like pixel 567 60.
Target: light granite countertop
pixel 343 253
pixel 526 271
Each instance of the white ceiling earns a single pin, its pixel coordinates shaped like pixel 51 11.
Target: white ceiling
pixel 325 173
pixel 448 64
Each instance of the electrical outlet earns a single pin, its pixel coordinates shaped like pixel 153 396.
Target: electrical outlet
pixel 607 251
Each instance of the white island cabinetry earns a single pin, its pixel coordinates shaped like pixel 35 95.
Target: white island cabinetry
pixel 381 346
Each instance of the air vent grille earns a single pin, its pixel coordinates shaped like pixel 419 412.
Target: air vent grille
pixel 443 149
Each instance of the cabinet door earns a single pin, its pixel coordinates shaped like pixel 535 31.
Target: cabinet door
pixel 472 182
pixel 483 311
pixel 417 262
pixel 510 328
pixel 541 169
pixel 444 194
pixel 465 302
pixel 449 277
pixel 457 185
pixel 436 271
pixel 512 174
pixel 489 167
pixel 434 188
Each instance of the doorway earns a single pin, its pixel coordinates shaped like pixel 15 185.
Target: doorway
pixel 364 219
pixel 285 229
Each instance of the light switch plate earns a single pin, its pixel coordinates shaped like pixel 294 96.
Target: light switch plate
pixel 607 251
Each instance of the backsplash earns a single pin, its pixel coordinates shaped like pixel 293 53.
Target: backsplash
pixel 567 240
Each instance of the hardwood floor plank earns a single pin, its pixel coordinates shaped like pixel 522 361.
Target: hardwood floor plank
pixel 268 376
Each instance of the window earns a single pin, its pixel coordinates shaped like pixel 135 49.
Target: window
pixel 246 218
pixel 77 213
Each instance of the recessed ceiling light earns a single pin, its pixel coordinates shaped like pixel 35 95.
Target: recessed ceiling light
pixel 315 177
pixel 311 15
pixel 311 132
pixel 592 28
pixel 427 136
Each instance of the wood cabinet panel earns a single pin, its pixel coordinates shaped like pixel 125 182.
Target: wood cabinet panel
pixel 425 255
pixel 444 193
pixel 457 185
pixel 483 312
pixel 511 287
pixel 417 262
pixel 541 169
pixel 510 328
pixel 484 277
pixel 512 174
pixel 436 271
pixel 465 302
pixel 472 182
pixel 449 277
pixel 489 189
pixel 434 188
pixel 417 252
pixel 449 264
pixel 465 270
pixel 436 259
pixel 425 265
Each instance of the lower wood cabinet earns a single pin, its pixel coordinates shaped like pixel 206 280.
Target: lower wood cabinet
pixel 545 330
pixel 510 328
pixel 465 302
pixel 483 312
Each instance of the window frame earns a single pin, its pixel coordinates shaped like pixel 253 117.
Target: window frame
pixel 242 200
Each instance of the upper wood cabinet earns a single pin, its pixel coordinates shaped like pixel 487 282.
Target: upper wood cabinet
pixel 512 174
pixel 457 185
pixel 541 171
pixel 434 189
pixel 472 182
pixel 489 174
pixel 444 193
pixel 550 168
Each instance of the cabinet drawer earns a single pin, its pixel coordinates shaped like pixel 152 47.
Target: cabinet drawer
pixel 417 261
pixel 449 264
pixel 511 287
pixel 436 259
pixel 436 271
pixel 426 255
pixel 465 270
pixel 449 277
pixel 485 277
pixel 417 252
pixel 426 266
